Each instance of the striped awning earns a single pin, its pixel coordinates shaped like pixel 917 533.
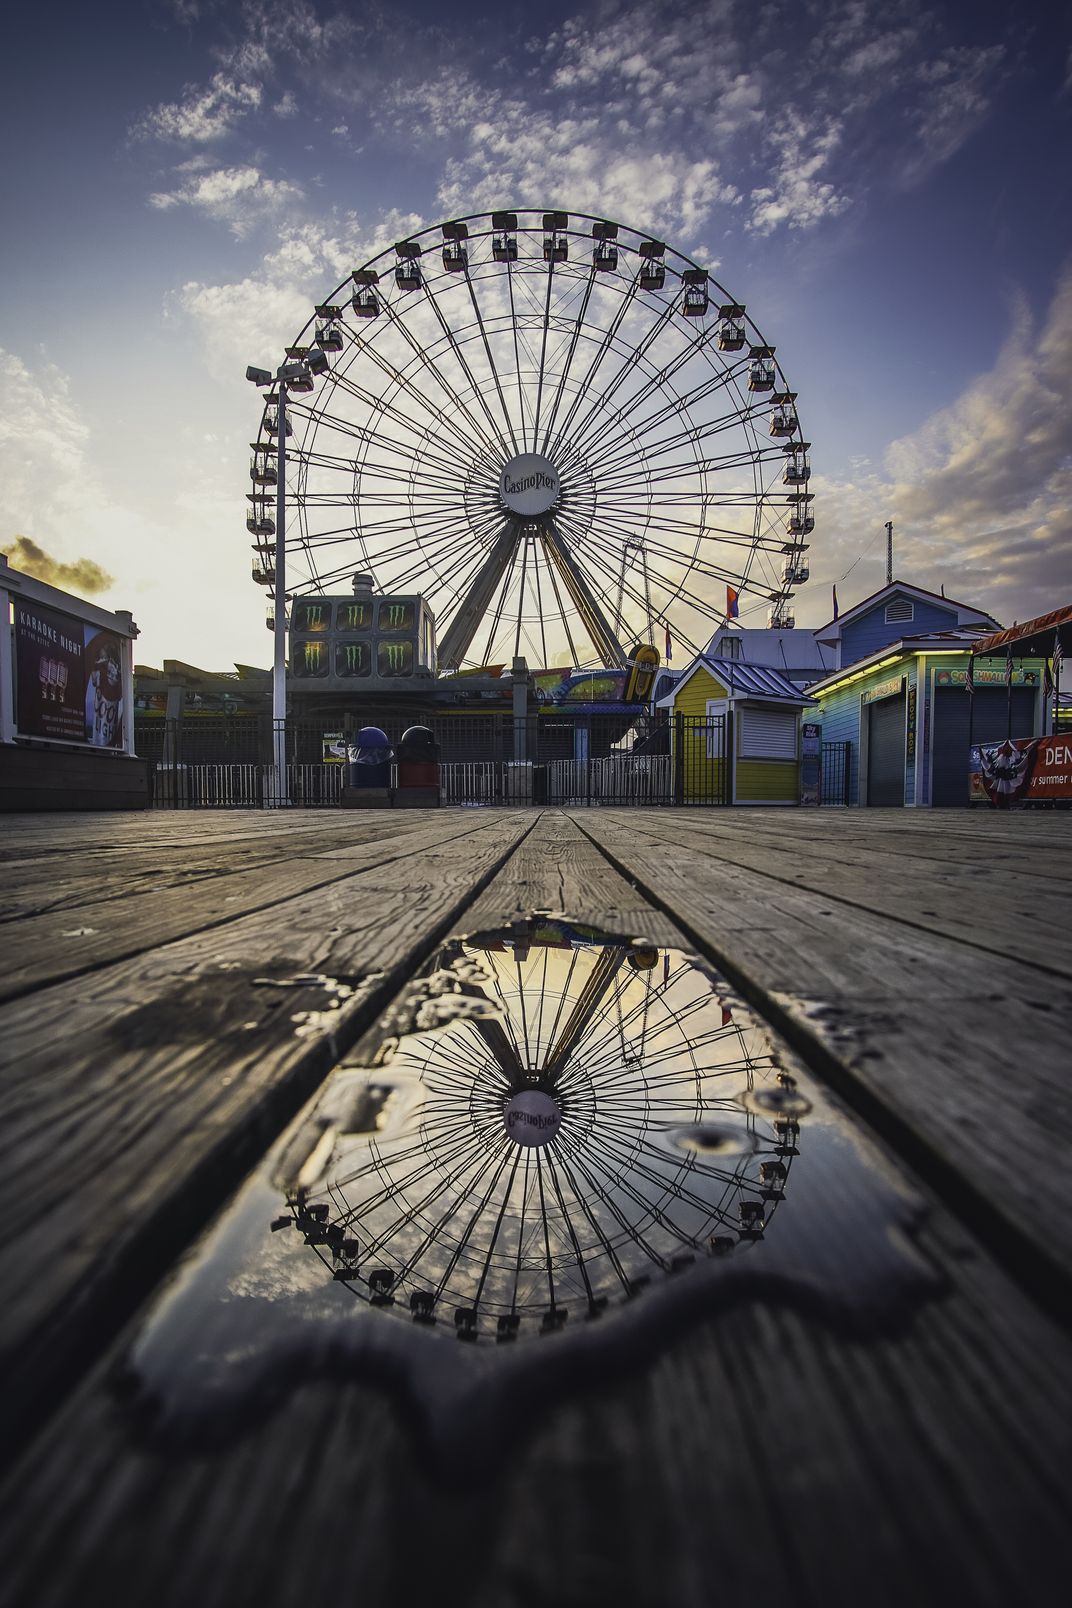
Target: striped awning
pixel 1036 636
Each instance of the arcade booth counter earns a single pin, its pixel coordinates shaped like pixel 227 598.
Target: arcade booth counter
pixel 1032 771
pixel 66 701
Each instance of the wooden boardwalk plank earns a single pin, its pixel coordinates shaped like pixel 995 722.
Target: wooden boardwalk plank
pixel 557 868
pixel 128 1100
pixel 990 899
pixel 916 1465
pixel 86 932
pixel 966 1057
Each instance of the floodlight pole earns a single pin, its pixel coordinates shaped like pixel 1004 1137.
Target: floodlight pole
pixel 280 794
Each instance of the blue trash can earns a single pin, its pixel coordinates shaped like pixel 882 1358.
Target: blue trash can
pixel 369 759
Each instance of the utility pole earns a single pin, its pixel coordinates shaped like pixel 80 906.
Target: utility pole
pixel 300 371
pixel 889 551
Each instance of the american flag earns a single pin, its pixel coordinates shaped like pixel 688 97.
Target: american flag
pixel 969 675
pixel 1008 664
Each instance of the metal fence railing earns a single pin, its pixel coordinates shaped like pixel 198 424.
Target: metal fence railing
pixel 834 773
pixel 632 758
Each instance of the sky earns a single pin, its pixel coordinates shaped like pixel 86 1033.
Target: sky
pixel 885 185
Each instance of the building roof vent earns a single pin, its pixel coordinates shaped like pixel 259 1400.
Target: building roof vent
pixel 363 585
pixel 899 610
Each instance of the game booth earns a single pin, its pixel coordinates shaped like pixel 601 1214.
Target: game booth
pixel 1028 771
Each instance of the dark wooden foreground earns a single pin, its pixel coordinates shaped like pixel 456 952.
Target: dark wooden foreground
pixel 921 965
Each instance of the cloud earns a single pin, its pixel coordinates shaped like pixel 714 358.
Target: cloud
pixel 799 197
pixel 253 318
pixel 202 115
pixel 955 98
pixel 83 576
pixel 237 196
pixel 286 106
pixel 981 493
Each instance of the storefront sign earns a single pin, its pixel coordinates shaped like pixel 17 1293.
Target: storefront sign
pixel 885 689
pixel 1023 770
pixel 910 727
pixel 69 678
pixel 811 748
pixel 986 678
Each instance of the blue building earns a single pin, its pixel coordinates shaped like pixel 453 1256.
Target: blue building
pixel 897 696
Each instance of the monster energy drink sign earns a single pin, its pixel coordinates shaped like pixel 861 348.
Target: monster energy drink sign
pixel 336 642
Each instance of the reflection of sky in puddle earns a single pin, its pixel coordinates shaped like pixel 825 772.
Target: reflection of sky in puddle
pixel 556 1157
pixel 551 1135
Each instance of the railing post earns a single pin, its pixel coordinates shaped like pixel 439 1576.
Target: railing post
pixel 679 757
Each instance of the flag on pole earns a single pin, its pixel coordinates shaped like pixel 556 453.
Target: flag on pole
pixel 1008 664
pixel 834 590
pixel 733 606
pixel 669 647
pixel 969 675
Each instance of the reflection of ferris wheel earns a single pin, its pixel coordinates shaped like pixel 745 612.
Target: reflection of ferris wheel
pixel 556 428
pixel 602 1124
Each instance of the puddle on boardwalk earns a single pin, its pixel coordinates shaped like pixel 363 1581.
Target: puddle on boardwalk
pixel 556 1147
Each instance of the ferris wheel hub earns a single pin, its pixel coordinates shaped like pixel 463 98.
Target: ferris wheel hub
pixel 529 484
pixel 531 1118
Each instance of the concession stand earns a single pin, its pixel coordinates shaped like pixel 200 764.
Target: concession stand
pixel 1037 770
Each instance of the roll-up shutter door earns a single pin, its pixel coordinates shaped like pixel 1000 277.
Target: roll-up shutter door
pixel 886 751
pixel 990 724
pixel 767 733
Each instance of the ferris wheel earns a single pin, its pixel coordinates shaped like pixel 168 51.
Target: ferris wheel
pixel 601 1122
pixel 560 431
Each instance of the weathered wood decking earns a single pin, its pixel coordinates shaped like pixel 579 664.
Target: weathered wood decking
pixel 919 964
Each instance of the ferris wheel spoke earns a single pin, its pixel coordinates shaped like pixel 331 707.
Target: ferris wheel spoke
pixel 629 364
pixel 543 351
pixel 405 383
pixel 496 439
pixel 679 408
pixel 677 402
pixel 568 364
pixel 602 347
pixel 491 361
pixel 510 275
pixel 587 436
pixel 337 423
pixel 597 1228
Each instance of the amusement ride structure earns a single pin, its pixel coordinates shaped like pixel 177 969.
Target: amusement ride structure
pixel 559 434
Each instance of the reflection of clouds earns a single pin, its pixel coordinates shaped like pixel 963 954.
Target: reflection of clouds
pixel 656 1160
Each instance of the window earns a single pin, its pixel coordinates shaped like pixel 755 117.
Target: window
pixel 730 647
pixel 899 611
pixel 767 733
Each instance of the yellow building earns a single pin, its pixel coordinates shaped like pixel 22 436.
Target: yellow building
pixel 736 733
